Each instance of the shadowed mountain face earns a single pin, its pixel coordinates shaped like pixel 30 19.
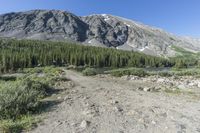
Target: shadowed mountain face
pixel 97 30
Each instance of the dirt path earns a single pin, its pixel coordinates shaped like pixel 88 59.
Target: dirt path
pixel 109 105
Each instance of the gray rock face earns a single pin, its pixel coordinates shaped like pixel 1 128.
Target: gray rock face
pixel 98 30
pixel 44 25
pixel 109 32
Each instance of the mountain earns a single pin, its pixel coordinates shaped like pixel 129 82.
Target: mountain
pixel 98 30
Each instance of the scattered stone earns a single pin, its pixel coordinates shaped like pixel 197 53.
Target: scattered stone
pixel 153 122
pixel 198 85
pixel 146 89
pixel 59 98
pixel 74 91
pixel 85 124
pixel 160 80
pixel 118 109
pixel 114 102
pixel 59 122
pixel 71 84
pixel 73 124
pixel 191 84
pixel 157 88
pixel 71 67
pixel 182 86
pixel 134 78
pixel 140 88
pixel 164 115
pixel 67 98
pixel 87 112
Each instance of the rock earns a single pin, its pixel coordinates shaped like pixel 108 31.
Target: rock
pixel 96 30
pixel 71 84
pixel 59 98
pixel 160 80
pixel 191 84
pixel 163 115
pixel 85 124
pixel 127 77
pixel 87 112
pixel 71 67
pixel 198 85
pixel 118 109
pixel 182 86
pixel 140 88
pixel 153 122
pixel 146 89
pixel 114 102
pixel 67 98
pixel 157 88
pixel 59 122
pixel 171 84
pixel 134 78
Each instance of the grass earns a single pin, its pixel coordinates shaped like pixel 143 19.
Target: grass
pixel 170 91
pixel 182 52
pixel 141 72
pixel 21 97
pixel 128 71
pixel 10 126
pixel 89 72
pixel 179 92
pixel 186 72
pixel 189 57
pixel 7 78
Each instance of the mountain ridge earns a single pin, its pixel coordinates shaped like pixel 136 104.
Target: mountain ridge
pixel 102 30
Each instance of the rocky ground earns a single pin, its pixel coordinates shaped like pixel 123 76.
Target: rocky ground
pixel 105 104
pixel 181 83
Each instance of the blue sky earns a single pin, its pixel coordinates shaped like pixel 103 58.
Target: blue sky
pixel 181 17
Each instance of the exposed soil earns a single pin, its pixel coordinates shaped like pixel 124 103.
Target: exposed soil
pixel 104 104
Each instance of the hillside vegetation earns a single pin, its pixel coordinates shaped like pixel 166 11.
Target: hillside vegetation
pixel 21 98
pixel 24 94
pixel 19 54
pixel 189 57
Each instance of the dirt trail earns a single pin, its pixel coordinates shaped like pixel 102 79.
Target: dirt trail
pixel 102 104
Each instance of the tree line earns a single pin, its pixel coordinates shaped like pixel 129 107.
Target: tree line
pixel 19 54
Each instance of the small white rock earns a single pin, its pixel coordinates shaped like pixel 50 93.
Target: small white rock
pixel 153 122
pixel 146 89
pixel 59 98
pixel 84 124
pixel 198 85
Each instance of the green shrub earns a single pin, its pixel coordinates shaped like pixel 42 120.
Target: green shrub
pixel 186 72
pixel 21 98
pixel 165 74
pixel 130 71
pixel 8 78
pixel 10 126
pixel 89 72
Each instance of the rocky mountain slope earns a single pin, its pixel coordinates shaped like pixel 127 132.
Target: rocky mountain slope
pixel 98 30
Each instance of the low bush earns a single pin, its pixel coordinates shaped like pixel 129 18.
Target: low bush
pixel 186 72
pixel 165 74
pixel 89 72
pixel 130 71
pixel 10 126
pixel 21 98
pixel 8 78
